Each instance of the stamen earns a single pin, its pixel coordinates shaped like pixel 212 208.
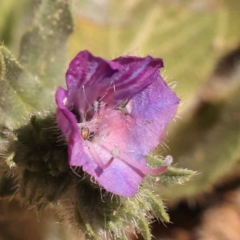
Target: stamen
pixel 115 152
pixel 83 88
pixel 133 164
pixel 156 170
pixel 84 114
pixel 122 107
pixel 89 129
pixel 114 89
pixel 136 165
pixel 85 133
pixel 96 157
pixel 168 160
pixel 96 106
pixel 74 171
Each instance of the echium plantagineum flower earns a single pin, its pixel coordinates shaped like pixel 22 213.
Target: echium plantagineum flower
pixel 112 114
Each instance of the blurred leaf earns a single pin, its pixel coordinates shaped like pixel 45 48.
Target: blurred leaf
pixel 189 35
pixel 6 9
pixel 43 54
pixel 208 142
pixel 10 14
pixel 43 47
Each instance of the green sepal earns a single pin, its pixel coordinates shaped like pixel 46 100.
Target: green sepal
pixel 158 208
pixel 144 228
pixel 172 175
pixel 176 176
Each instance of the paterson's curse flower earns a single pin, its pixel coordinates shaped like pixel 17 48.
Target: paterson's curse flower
pixel 112 114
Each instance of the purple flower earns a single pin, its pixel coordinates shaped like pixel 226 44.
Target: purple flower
pixel 112 114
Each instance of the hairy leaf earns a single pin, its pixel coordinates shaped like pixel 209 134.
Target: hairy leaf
pixel 42 53
pixel 19 90
pixel 43 48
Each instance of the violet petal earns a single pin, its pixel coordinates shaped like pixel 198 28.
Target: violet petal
pixel 68 124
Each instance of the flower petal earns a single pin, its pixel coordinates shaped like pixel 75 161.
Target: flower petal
pixel 118 178
pixel 128 165
pixel 149 113
pixel 153 109
pixel 115 154
pixel 68 124
pixel 86 69
pixel 87 74
pixel 135 75
pixel 111 81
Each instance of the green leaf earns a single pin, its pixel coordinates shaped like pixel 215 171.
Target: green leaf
pixel 19 90
pixel 43 47
pixel 43 52
pixel 11 20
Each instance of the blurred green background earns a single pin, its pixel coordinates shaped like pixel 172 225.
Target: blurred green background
pixel 190 35
pixel 199 42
